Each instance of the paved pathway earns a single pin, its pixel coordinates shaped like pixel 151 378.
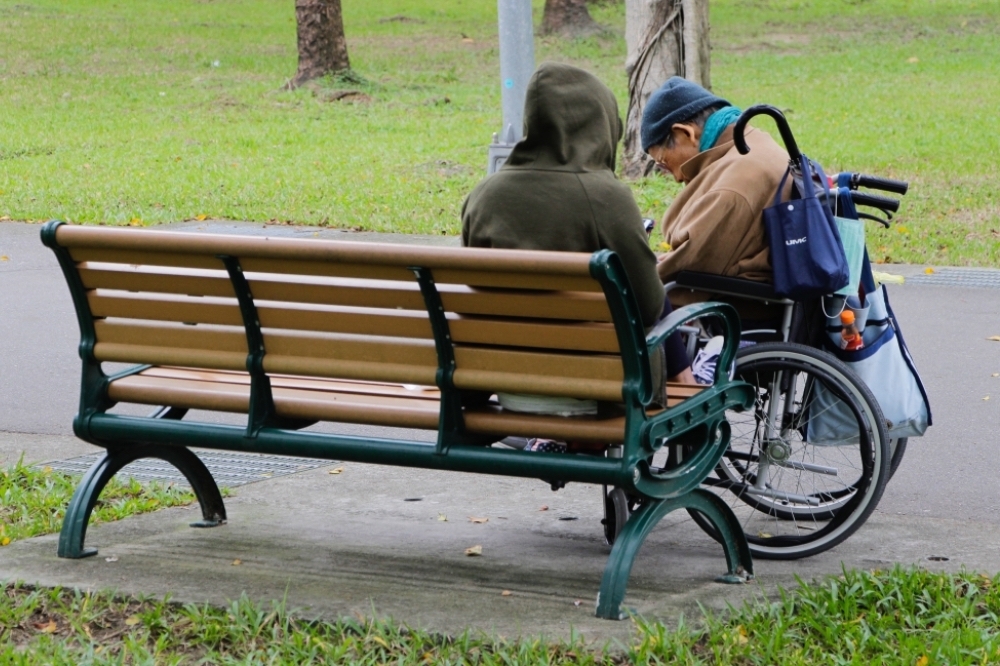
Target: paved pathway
pixel 350 543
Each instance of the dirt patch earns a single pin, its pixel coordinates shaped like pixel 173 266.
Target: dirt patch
pixel 446 168
pixel 399 18
pixel 350 96
pixel 987 215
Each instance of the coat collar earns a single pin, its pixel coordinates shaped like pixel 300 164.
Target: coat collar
pixel 699 162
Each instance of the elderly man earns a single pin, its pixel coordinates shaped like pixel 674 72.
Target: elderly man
pixel 715 225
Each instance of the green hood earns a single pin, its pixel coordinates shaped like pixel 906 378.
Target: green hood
pixel 571 122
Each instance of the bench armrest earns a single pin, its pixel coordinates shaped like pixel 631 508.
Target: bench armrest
pixel 723 311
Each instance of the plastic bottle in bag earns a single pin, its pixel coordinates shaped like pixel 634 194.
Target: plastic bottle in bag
pixel 850 338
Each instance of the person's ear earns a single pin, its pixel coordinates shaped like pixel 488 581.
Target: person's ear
pixel 686 133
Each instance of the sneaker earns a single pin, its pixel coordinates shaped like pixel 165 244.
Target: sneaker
pixel 545 446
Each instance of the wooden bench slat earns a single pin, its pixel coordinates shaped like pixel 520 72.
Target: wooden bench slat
pixel 347 369
pixel 354 408
pixel 141 257
pixel 343 347
pixel 143 278
pixel 324 251
pixel 528 281
pixel 347 292
pixel 576 305
pixel 494 420
pixel 570 336
pixel 128 306
pixel 509 382
pixel 155 355
pixel 299 382
pixel 575 366
pixel 360 321
pixel 326 269
pixel 144 390
pixel 175 336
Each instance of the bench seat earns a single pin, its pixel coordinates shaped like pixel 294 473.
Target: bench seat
pixel 370 403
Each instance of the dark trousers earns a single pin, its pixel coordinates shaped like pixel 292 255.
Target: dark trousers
pixel 673 346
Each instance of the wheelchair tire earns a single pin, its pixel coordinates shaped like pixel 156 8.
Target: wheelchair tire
pixel 813 495
pixel 898 448
pixel 616 514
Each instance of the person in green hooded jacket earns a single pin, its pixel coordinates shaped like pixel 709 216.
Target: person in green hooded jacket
pixel 558 190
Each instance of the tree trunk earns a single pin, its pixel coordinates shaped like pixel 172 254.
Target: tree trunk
pixel 322 45
pixel 568 18
pixel 665 38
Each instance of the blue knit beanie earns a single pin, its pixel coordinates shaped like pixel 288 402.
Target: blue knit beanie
pixel 677 101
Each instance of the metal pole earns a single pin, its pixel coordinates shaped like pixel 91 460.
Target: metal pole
pixel 517 63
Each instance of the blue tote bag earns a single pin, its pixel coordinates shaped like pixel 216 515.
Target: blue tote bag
pixel 806 251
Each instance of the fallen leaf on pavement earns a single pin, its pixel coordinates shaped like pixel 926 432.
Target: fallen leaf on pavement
pixel 929 271
pixel 132 621
pixel 474 551
pixel 49 628
pixel 336 470
pixel 986 398
pixel 543 508
pixel 506 593
pixel 478 521
pixel 994 338
pixel 443 518
pixel 4 257
pixel 995 374
pixel 237 562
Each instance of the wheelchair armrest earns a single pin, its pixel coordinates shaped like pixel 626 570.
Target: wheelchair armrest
pixel 728 286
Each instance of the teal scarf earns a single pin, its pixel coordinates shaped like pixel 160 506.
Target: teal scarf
pixel 716 125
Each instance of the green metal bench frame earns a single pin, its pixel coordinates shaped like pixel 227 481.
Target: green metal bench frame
pixel 699 423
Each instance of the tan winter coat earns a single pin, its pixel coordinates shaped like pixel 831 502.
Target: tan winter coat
pixel 715 225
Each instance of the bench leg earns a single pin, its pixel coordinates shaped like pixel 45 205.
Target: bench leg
pixel 638 527
pixel 74 528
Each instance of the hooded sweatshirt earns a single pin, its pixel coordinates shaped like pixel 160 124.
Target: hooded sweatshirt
pixel 558 191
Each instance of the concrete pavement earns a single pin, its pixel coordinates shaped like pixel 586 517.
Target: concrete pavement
pixel 350 543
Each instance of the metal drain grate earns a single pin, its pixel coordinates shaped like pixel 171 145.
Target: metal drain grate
pixel 228 469
pixel 980 278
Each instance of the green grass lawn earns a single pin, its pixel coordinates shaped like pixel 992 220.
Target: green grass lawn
pixel 144 112
pixel 33 501
pixel 903 616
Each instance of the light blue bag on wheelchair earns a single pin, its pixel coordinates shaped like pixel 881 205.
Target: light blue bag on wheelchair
pixel 885 365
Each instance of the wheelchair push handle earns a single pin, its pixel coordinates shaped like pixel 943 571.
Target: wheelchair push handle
pixel 767 110
pixel 886 204
pixel 877 183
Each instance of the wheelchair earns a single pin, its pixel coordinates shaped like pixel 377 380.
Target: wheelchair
pixel 797 490
pixel 794 494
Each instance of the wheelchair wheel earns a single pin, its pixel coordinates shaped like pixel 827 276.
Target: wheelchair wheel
pixel 898 448
pixel 616 513
pixel 808 464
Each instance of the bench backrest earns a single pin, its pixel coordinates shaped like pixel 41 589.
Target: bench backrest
pixel 550 323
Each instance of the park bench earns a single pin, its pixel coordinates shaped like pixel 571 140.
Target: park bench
pixel 292 332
